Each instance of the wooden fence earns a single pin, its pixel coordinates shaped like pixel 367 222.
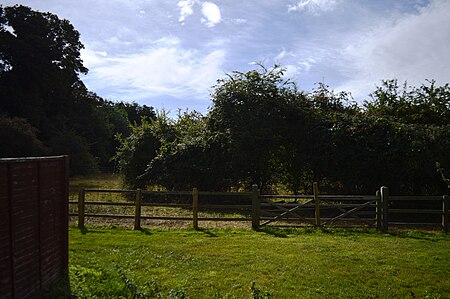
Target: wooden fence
pixel 379 210
pixel 33 225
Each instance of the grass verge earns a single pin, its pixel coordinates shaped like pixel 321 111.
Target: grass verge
pixel 272 263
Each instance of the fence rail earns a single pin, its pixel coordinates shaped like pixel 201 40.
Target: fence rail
pixel 380 210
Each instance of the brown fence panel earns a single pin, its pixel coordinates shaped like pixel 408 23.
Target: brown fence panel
pixel 33 227
pixel 5 237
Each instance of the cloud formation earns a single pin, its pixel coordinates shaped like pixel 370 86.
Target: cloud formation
pixel 170 53
pixel 185 9
pixel 313 7
pixel 211 12
pixel 413 48
pixel 159 71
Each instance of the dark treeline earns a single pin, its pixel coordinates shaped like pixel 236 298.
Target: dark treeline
pixel 44 106
pixel 260 128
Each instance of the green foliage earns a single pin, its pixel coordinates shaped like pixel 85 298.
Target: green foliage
pixel 19 138
pixel 250 109
pixel 137 150
pixel 67 142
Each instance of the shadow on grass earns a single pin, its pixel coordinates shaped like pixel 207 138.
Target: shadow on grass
pixel 83 230
pixel 284 232
pixel 145 231
pixel 60 289
pixel 421 235
pixel 207 232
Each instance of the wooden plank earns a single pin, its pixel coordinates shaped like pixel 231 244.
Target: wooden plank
pixel 109 216
pixel 6 233
pixel 109 203
pixel 415 198
pixel 237 194
pixel 384 195
pixel 346 197
pixel 256 207
pixel 93 190
pixel 445 213
pixel 227 207
pixel 413 224
pixel 378 210
pixel 288 205
pixel 173 205
pixel 186 193
pixel 223 219
pixel 316 203
pixel 166 218
pixel 369 204
pixel 414 211
pixel 287 196
pixel 137 210
pixel 195 208
pixel 81 208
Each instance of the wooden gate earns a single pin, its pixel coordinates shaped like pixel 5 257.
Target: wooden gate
pixel 318 210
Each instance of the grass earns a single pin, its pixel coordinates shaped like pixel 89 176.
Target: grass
pixel 272 263
pixel 111 262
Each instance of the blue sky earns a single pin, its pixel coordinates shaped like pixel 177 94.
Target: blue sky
pixel 168 54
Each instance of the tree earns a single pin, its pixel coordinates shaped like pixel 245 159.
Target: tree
pixel 250 108
pixel 416 134
pixel 19 138
pixel 40 57
pixel 196 157
pixel 40 65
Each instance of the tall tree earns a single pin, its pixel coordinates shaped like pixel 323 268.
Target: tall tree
pixel 251 108
pixel 40 59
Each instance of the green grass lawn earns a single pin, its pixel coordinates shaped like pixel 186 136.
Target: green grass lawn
pixel 282 263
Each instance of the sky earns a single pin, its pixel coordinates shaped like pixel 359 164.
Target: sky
pixel 169 54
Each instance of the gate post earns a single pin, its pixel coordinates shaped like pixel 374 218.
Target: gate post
pixel 316 202
pixel 384 192
pixel 256 207
pixel 445 213
pixel 378 212
pixel 81 198
pixel 195 208
pixel 137 211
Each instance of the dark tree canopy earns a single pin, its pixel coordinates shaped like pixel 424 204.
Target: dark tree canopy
pixel 40 68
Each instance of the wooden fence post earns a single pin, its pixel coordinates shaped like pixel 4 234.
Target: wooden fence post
pixel 137 211
pixel 195 208
pixel 445 213
pixel 316 202
pixel 256 207
pixel 384 198
pixel 379 210
pixel 81 199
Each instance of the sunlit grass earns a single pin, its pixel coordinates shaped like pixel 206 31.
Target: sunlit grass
pixel 287 263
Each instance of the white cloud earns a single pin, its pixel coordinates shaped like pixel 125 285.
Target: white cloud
pixel 313 7
pixel 292 72
pixel 411 49
pixel 239 21
pixel 280 55
pixel 185 9
pixel 91 58
pixel 168 71
pixel 212 14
